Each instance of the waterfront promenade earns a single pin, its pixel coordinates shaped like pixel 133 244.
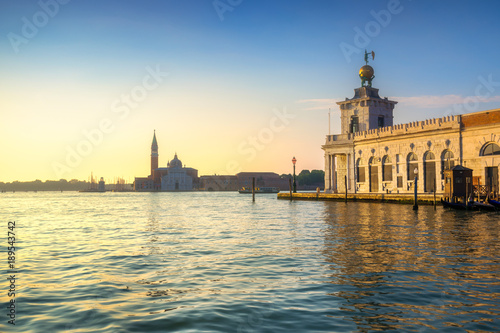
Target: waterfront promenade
pixel 423 199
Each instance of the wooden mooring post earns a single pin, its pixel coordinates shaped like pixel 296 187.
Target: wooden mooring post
pixel 434 198
pixel 415 185
pixel 345 182
pixel 290 184
pixel 253 189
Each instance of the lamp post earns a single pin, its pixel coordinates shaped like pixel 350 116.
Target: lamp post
pixel 294 184
pixel 415 185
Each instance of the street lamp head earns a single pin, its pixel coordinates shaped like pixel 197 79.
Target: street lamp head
pixel 294 160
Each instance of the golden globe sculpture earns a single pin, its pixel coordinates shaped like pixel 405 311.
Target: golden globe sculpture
pixel 366 75
pixel 366 72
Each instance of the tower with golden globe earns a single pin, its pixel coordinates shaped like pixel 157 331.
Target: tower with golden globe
pixel 366 110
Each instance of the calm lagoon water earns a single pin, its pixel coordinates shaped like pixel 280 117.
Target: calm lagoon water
pixel 216 262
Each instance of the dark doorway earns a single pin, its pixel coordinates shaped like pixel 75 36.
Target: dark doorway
pixel 373 176
pixel 429 172
pixel 360 172
pixel 176 185
pixel 386 169
pixel 492 179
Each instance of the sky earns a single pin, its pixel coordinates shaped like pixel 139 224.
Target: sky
pixel 228 85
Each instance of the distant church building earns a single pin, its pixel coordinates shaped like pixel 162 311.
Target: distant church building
pixel 178 178
pixel 175 177
pixel 373 155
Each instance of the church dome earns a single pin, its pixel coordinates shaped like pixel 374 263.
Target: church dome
pixel 366 72
pixel 175 163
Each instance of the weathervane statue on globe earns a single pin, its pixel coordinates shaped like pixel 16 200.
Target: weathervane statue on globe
pixel 366 72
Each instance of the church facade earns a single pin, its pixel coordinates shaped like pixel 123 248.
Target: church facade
pixel 372 155
pixel 175 177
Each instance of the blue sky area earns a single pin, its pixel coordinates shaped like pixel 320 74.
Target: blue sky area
pixel 231 65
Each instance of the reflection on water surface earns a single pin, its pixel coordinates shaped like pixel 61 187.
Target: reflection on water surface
pixel 216 262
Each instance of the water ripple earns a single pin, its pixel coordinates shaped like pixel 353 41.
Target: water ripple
pixel 216 262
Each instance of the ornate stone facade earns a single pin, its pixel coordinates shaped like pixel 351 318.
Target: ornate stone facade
pixel 177 177
pixel 373 155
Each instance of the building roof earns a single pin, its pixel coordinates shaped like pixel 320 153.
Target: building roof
pixel 154 144
pixel 175 163
pixel 460 168
pixel 218 176
pixel 252 174
pixel 365 93
pixel 481 118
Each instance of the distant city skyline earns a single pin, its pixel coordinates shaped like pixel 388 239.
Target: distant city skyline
pixel 230 86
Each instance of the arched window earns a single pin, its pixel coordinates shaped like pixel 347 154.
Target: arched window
pixel 411 164
pixel 360 171
pixel 428 156
pixel 447 162
pixel 490 149
pixel 387 169
pixel 429 172
pixel 354 125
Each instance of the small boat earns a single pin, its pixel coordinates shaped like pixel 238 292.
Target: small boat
pixel 454 205
pixel 483 206
pixel 260 190
pixel 494 203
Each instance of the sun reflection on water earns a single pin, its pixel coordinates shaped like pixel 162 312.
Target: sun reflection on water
pixel 156 262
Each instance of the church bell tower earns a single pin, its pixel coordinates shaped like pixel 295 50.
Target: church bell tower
pixel 154 154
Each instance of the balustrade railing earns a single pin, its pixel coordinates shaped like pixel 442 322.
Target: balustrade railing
pixel 481 191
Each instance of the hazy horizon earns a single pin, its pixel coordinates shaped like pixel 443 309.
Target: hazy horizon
pixel 131 181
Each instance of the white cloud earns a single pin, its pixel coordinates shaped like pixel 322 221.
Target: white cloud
pixel 425 102
pixel 319 103
pixel 428 102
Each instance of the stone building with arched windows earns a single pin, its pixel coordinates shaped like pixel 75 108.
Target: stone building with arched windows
pixel 372 155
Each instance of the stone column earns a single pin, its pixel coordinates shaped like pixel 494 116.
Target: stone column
pixel 327 172
pixel 404 170
pixel 380 175
pixel 421 176
pixel 354 173
pixel 334 176
pixel 348 171
pixel 437 170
